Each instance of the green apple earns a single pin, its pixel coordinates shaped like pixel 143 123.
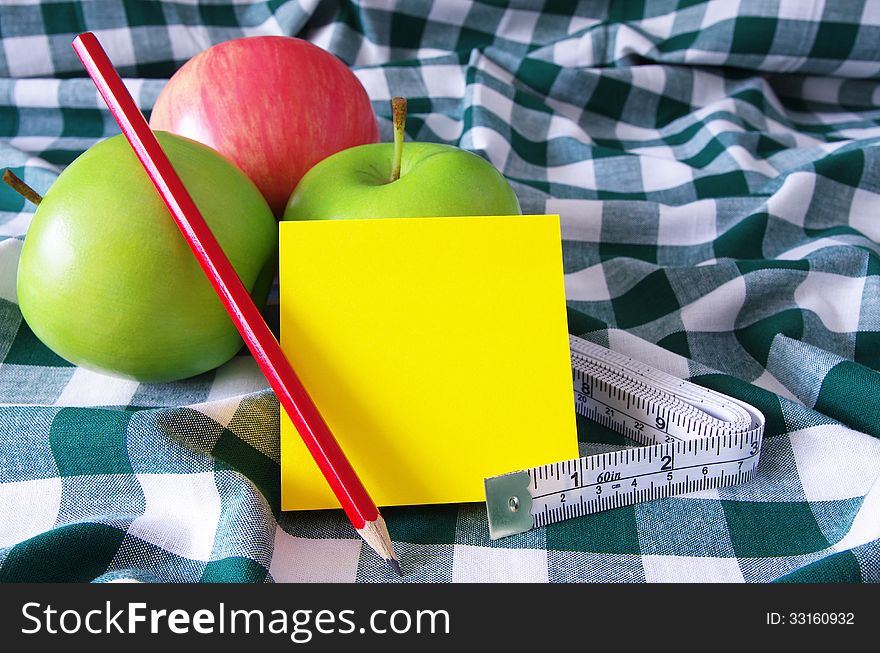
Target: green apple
pixel 107 281
pixel 387 180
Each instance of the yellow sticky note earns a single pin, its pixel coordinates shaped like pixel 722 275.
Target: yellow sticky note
pixel 435 348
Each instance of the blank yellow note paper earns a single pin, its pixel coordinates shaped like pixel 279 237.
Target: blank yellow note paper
pixel 435 348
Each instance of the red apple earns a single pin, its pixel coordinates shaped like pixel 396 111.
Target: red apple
pixel 275 105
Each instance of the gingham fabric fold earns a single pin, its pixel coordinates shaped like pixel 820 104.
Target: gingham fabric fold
pixel 717 172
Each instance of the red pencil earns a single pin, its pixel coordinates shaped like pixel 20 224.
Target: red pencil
pixel 343 480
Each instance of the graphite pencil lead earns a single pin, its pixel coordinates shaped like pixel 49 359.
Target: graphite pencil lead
pixel 395 565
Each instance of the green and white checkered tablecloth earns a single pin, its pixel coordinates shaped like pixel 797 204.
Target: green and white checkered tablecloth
pixel 717 170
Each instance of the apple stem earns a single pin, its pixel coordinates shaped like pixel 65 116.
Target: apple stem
pixel 15 183
pixel 398 115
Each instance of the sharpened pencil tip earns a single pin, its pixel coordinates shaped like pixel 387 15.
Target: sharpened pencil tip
pixel 395 565
pixel 375 534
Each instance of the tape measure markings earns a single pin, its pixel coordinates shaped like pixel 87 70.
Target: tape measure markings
pixel 681 425
pixel 617 477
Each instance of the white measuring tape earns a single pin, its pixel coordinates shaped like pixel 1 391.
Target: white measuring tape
pixel 695 439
